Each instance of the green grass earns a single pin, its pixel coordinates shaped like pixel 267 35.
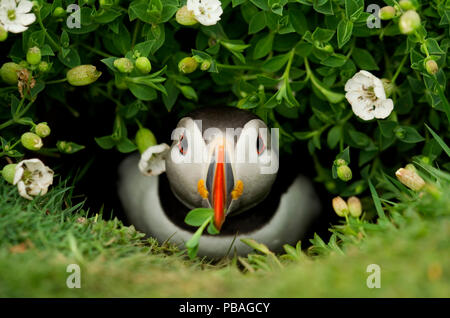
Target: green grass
pixel 39 239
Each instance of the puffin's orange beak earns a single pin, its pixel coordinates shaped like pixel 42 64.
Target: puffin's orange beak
pixel 219 192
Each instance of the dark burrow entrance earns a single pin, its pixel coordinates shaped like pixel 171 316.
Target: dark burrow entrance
pixel 98 184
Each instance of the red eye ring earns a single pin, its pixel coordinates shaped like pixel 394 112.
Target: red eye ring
pixel 260 146
pixel 182 145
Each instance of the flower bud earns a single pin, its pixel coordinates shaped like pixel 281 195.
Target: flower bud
pixel 187 65
pixel 409 22
pixel 426 160
pixel 31 141
pixel 340 162
pixel 354 206
pixel 124 65
pixel 328 48
pixel 431 67
pixel 410 179
pixel 44 67
pixel 344 173
pixel 24 64
pixel 8 172
pixel 58 12
pixel 340 207
pixel 387 13
pixel 406 5
pixel 34 55
pixel 411 167
pixel 106 3
pixel 9 72
pixel 3 34
pixel 144 139
pixel 35 5
pixel 400 132
pixel 205 65
pixel 185 16
pixel 389 87
pixel 83 75
pixel 42 130
pixel 143 65
pixel 68 147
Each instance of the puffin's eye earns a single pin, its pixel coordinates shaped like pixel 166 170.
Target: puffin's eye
pixel 183 145
pixel 260 146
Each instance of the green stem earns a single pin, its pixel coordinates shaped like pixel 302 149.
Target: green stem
pixel 62 80
pixel 135 32
pixel 239 67
pixel 443 98
pixel 24 111
pixel 6 124
pixel 118 103
pixel 287 70
pixel 399 69
pixel 52 42
pixel 333 97
pixel 96 51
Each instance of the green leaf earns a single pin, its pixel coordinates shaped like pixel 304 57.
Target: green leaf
pixel 172 94
pixel 334 136
pixel 361 139
pixel 257 23
pixel 331 96
pixel 275 63
pixel 376 200
pixel 106 142
pixel 409 134
pixel 109 61
pixel 440 141
pixel 335 60
pixel 387 127
pixel 344 32
pixel 144 48
pixel 142 92
pixel 188 92
pixel 125 145
pixel 198 216
pixel 322 35
pixel 71 60
pixel 235 3
pixel 212 228
pixel 257 246
pixel 264 46
pixel 106 15
pixel 298 20
pixel 192 243
pixel 364 60
pixel 323 6
pixel 353 9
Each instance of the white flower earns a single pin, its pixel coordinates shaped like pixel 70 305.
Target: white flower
pixel 32 178
pixel 15 16
pixel 365 92
pixel 152 161
pixel 207 12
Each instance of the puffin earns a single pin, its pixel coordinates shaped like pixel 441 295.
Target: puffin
pixel 225 159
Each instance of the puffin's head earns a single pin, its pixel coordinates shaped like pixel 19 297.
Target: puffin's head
pixel 222 158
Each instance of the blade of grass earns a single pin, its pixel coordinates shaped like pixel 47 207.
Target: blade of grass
pixel 376 200
pixel 440 141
